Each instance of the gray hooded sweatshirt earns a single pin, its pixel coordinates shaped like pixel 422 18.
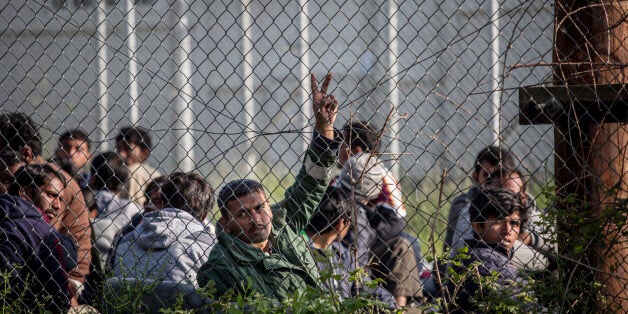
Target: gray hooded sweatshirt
pixel 169 244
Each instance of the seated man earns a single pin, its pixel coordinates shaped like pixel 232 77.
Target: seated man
pixel 496 218
pixel 34 255
pixel 325 231
pixel 170 243
pixel 258 244
pixel 109 175
pixel 20 134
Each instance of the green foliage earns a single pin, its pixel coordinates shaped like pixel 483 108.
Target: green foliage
pixel 311 300
pixel 127 297
pixel 177 308
pixel 11 303
pixel 491 296
pixel 574 285
pixel 317 301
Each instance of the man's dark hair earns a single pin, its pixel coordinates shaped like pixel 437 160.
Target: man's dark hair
pixel 363 135
pixel 8 158
pixel 108 172
pixel 235 189
pixel 190 192
pixel 494 155
pixel 17 130
pixel 135 135
pixel 335 204
pixel 76 134
pixel 495 202
pixel 31 178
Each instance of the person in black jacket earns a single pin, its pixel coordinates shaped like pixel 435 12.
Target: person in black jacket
pixel 33 255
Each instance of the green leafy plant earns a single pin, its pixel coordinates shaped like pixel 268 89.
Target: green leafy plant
pixel 11 300
pixel 310 300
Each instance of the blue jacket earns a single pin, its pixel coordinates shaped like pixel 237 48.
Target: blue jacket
pixel 33 257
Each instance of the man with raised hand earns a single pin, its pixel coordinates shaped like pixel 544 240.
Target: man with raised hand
pixel 259 248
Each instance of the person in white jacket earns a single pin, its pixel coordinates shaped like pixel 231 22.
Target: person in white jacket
pixel 171 243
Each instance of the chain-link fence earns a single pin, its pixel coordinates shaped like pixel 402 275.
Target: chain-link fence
pixel 222 89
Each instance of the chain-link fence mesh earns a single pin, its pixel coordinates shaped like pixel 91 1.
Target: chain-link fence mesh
pixel 222 89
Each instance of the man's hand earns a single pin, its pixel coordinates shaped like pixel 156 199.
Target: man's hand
pixel 325 107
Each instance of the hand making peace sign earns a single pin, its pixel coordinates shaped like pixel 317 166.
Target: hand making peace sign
pixel 325 107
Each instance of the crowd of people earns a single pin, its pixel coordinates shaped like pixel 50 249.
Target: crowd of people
pixel 67 232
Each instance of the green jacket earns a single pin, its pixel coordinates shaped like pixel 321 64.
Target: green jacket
pixel 234 264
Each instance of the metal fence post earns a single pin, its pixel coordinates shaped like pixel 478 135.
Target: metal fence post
pixel 183 82
pixel 131 42
pixel 103 74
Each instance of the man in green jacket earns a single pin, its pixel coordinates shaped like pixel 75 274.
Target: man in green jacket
pixel 259 246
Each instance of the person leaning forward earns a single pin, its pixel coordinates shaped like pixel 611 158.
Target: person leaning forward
pixel 259 248
pixel 20 134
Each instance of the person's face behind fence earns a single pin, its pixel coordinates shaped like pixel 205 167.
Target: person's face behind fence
pixel 77 151
pixel 515 184
pixel 48 198
pixel 154 201
pixel 501 230
pixel 485 169
pixel 132 153
pixel 249 218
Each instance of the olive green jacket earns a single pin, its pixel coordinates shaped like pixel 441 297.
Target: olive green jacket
pixel 236 265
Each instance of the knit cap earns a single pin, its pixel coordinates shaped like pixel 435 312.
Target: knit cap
pixel 363 174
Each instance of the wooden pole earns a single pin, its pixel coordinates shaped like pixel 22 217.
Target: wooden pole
pixel 591 157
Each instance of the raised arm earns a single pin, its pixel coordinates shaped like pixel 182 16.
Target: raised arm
pixel 310 184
